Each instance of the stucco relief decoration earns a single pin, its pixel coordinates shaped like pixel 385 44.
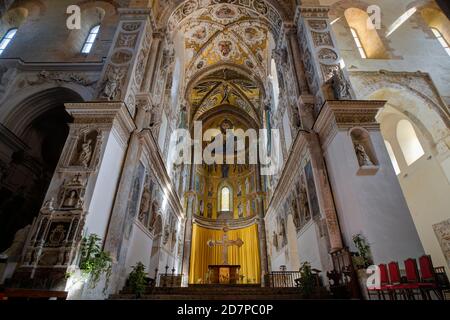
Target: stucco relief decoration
pixel 121 56
pixel 327 54
pixel 442 231
pixel 127 40
pixel 131 26
pixel 319 25
pixel 112 85
pixel 72 193
pixel 60 78
pixel 322 39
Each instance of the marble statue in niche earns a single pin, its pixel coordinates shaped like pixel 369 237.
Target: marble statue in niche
pixel 361 154
pixel 86 153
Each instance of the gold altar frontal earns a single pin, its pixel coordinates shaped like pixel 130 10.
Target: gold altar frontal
pixel 224 274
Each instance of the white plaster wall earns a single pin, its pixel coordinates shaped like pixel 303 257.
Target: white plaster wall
pixel 308 246
pixel 105 187
pixel 427 192
pixel 139 249
pixel 374 204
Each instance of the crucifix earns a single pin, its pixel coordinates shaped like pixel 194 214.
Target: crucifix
pixel 225 243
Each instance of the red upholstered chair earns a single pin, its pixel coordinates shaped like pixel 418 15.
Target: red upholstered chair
pixel 412 276
pixel 428 278
pixel 385 287
pixel 404 289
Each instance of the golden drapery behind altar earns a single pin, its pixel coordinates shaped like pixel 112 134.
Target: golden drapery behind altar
pixel 246 256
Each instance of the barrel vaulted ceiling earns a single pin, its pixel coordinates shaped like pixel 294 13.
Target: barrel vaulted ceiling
pixel 229 35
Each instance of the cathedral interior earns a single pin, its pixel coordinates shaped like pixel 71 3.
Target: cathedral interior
pixel 130 128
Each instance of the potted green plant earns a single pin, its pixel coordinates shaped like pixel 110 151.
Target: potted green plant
pixel 94 261
pixel 137 279
pixel 362 259
pixel 307 280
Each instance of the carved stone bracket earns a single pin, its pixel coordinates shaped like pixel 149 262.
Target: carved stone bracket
pixel 344 115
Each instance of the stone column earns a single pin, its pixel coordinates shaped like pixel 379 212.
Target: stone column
pixel 297 58
pixel 261 226
pixel 324 195
pixel 366 190
pixel 152 66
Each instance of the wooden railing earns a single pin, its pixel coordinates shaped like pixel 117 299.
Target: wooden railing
pixel 282 279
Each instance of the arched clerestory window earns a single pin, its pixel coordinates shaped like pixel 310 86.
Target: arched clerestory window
pixel 409 143
pixel 93 33
pixel 365 35
pixel 7 38
pixel 225 199
pixel 358 43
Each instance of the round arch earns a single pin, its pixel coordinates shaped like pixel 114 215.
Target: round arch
pixel 21 111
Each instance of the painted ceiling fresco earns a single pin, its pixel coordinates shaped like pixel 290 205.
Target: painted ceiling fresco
pixel 225 34
pixel 225 88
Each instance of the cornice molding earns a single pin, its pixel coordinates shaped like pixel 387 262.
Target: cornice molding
pixel 311 12
pixel 293 162
pixel 342 115
pixel 54 66
pixel 115 114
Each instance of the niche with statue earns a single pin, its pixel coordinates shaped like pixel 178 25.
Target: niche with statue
pixel 364 152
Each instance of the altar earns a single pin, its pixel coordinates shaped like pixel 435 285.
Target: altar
pixel 223 274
